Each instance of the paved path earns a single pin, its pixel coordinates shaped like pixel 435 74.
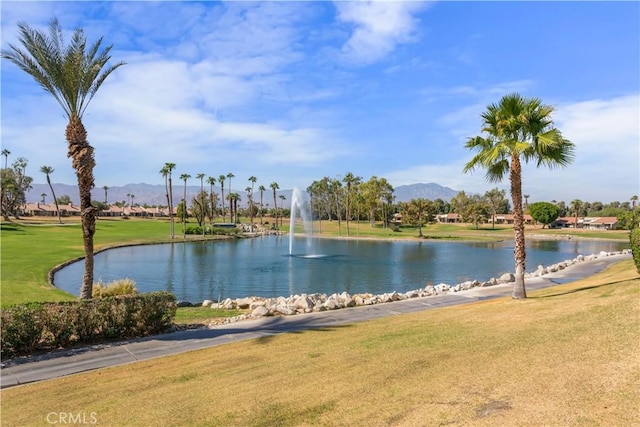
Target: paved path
pixel 58 364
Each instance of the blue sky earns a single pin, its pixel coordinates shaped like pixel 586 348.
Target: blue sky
pixel 294 91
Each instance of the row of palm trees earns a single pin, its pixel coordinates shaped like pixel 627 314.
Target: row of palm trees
pixel 203 205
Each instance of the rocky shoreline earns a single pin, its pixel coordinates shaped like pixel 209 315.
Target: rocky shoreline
pixel 309 303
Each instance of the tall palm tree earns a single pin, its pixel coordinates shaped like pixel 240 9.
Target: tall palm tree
pixel 43 195
pixel 274 186
pixel 261 189
pixel 253 180
pixel 518 129
pixel 6 153
pixel 282 199
pixel 166 174
pixel 351 181
pixel 105 188
pixel 230 175
pixel 200 176
pixel 184 177
pixel 221 179
pixel 72 74
pixel 48 170
pixel 211 180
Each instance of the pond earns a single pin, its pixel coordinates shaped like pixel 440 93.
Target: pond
pixel 262 266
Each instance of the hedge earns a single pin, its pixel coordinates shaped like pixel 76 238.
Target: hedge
pixel 634 238
pixel 35 327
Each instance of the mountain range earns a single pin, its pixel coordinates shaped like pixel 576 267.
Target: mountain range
pixel 156 194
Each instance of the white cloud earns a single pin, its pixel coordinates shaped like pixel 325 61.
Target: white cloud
pixel 379 26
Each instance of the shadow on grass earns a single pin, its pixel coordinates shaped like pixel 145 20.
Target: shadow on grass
pixel 582 289
pixel 11 227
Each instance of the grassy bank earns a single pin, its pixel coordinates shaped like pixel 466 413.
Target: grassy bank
pixel 569 355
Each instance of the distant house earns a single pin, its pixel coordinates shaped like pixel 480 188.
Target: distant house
pixel 448 218
pixel 601 223
pixel 510 219
pixel 590 223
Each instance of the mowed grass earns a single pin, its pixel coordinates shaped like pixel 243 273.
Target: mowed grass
pixel 31 249
pixel 566 356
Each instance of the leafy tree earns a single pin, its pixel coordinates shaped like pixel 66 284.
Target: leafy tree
pixel 72 74
pixel 495 198
pixel 15 183
pixel 48 170
pixel 544 212
pixel 518 129
pixel 417 212
pixel 64 200
pixel 199 210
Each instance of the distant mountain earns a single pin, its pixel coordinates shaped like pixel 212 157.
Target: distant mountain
pixel 142 193
pixel 430 191
pixel 156 195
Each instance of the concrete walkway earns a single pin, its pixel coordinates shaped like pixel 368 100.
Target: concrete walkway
pixel 68 362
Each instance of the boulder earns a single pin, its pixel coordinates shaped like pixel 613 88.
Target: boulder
pixel 207 303
pixel 243 302
pixel 507 278
pixel 260 311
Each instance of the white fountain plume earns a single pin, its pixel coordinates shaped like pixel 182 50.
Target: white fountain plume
pixel 299 204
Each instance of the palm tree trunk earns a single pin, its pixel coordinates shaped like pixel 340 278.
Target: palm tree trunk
pixel 83 162
pixel 54 199
pixel 519 250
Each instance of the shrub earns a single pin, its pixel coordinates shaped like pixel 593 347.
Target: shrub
pixel 43 326
pixel 634 238
pixel 117 287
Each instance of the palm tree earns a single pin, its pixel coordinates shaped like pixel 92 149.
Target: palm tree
pixel 6 153
pixel 221 179
pixel 253 180
pixel 166 174
pixel 132 197
pixel 282 199
pixel 517 129
pixel 200 176
pixel 105 188
pixel 634 200
pixel 262 190
pixel 274 186
pixel 211 180
pixel 48 170
pixel 526 201
pixel 576 206
pixel 72 74
pixel 230 175
pixel 351 181
pixel 184 177
pixel 43 195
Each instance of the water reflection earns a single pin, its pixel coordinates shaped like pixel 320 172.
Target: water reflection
pixel 261 266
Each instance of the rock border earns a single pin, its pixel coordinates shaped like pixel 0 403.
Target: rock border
pixel 317 302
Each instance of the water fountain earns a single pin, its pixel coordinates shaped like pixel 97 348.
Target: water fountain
pixel 299 205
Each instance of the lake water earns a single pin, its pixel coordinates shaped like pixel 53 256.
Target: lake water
pixel 262 266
